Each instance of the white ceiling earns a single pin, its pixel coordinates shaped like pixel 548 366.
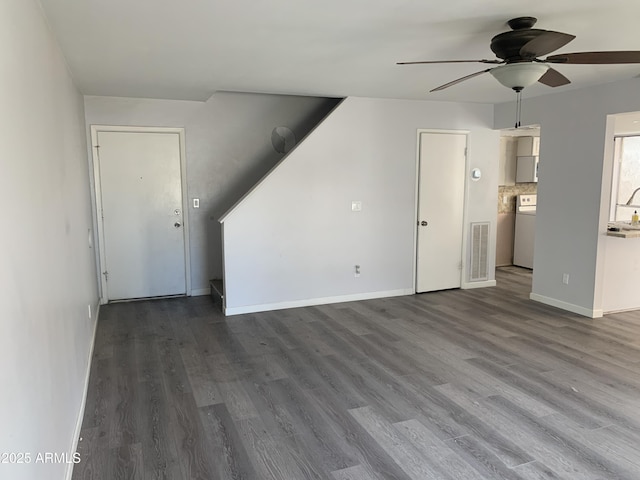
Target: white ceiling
pixel 187 49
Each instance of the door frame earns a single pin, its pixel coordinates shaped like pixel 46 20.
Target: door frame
pixel 419 133
pixel 101 258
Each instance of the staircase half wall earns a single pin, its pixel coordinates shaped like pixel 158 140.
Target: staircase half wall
pixel 297 237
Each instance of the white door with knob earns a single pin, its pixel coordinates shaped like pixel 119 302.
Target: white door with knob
pixel 441 185
pixel 140 207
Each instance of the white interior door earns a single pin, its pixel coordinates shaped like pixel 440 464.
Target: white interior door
pixel 142 218
pixel 442 161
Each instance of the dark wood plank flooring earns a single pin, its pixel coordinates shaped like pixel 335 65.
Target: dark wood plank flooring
pixel 463 384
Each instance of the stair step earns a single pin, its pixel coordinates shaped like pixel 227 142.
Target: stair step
pixel 217 291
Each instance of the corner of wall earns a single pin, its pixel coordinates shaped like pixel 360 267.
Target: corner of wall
pixel 569 307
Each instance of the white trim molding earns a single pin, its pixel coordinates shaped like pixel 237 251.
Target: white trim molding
pixel 200 292
pixel 623 310
pixel 76 434
pixel 483 284
pixel 316 301
pixel 570 307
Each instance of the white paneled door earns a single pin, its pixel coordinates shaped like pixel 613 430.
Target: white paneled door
pixel 143 231
pixel 442 164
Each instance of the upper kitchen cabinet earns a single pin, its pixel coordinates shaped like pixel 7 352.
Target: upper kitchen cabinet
pixel 507 162
pixel 527 170
pixel 528 146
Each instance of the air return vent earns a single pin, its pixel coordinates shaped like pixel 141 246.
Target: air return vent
pixel 479 252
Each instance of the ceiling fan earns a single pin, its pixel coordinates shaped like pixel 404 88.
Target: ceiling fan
pixel 518 51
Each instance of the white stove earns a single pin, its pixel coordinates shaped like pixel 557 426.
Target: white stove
pixel 525 230
pixel 527 203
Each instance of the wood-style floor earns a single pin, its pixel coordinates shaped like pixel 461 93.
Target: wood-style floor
pixel 475 384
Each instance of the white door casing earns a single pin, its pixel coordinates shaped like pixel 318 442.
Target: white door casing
pixel 140 198
pixel 441 192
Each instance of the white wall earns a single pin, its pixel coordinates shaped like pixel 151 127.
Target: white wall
pixel 574 190
pixel 228 148
pixel 294 239
pixel 47 269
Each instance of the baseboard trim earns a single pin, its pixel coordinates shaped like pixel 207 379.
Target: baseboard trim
pixel 200 292
pixel 570 307
pixel 267 307
pixel 470 285
pixel 621 310
pixel 76 434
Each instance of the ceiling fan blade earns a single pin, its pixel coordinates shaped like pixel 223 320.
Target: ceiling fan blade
pixel 447 85
pixel 596 58
pixel 451 61
pixel 545 43
pixel 554 78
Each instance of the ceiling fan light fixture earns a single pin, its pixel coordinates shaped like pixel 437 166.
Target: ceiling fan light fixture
pixel 519 75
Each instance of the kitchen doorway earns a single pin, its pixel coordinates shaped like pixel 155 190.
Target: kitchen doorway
pixel 517 179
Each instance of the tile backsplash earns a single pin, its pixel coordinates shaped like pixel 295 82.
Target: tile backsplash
pixel 511 192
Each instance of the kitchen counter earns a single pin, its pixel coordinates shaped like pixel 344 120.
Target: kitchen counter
pixel 624 234
pixel 626 230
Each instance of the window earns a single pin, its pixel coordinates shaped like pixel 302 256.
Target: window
pixel 626 178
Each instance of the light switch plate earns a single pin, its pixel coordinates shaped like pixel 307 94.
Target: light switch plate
pixel 356 206
pixel 196 203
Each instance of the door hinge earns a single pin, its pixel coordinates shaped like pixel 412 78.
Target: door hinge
pixel 106 276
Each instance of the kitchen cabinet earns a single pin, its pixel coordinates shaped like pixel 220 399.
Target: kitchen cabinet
pixel 528 146
pixel 527 169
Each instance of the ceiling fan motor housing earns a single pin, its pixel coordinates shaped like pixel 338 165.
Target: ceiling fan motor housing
pixel 507 45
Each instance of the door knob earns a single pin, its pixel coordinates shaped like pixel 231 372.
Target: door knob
pixel 177 224
pixel 424 223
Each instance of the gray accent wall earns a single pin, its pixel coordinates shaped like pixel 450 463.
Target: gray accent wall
pixel 574 190
pixel 228 150
pixel 48 287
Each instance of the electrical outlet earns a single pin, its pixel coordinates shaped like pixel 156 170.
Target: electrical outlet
pixel 356 206
pixel 565 278
pixel 357 271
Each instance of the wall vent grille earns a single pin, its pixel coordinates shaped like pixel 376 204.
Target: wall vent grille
pixel 479 252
